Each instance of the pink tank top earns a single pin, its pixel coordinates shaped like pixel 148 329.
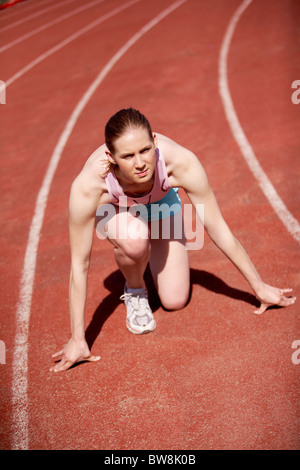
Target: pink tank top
pixel 159 190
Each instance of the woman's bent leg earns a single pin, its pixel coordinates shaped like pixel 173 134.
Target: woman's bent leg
pixel 129 236
pixel 167 255
pixel 169 264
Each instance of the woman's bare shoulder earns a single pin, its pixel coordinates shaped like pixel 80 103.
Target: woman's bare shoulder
pixel 174 153
pixel 179 160
pixel 170 148
pixel 97 162
pixel 163 141
pixel 91 178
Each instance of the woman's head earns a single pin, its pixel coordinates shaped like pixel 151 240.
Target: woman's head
pixel 131 148
pixel 121 122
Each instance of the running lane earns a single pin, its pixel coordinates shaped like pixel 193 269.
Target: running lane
pixel 261 73
pixel 212 375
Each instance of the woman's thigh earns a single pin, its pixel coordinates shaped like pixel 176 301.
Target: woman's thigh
pixel 169 264
pixel 119 226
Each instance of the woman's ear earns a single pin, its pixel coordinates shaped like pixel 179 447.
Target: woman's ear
pixel 155 139
pixel 110 157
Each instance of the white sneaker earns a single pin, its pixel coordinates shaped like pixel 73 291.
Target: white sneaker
pixel 139 315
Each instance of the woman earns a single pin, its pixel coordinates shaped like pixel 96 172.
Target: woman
pixel 132 174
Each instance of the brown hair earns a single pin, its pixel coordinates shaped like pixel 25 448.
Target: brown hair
pixel 122 121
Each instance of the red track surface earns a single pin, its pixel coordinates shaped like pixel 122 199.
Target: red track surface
pixel 212 376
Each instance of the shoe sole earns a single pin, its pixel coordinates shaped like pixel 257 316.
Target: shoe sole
pixel 138 332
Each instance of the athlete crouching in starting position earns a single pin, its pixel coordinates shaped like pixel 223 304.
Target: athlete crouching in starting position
pixel 135 166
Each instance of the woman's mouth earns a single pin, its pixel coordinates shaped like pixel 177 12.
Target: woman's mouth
pixel 142 173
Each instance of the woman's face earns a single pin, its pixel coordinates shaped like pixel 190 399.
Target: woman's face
pixel 134 154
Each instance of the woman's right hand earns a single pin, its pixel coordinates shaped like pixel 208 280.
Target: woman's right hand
pixel 73 352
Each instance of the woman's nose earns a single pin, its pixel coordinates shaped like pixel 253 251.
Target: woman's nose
pixel 139 163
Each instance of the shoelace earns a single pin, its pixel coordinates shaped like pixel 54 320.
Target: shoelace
pixel 138 303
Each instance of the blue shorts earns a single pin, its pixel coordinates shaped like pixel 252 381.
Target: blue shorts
pixel 165 207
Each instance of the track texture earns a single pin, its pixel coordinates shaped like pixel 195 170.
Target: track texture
pixel 212 376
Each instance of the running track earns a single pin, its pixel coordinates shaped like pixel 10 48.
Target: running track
pixel 212 376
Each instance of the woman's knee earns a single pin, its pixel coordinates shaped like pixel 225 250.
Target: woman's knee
pixel 177 301
pixel 134 249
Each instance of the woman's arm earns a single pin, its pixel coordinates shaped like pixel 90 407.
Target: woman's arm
pixel 82 209
pixel 190 175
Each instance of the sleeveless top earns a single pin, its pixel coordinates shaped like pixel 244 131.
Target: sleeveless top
pixel 159 190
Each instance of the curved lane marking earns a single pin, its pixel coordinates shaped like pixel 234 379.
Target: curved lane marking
pixel 289 221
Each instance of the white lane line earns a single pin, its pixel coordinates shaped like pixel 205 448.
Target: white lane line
pixel 67 41
pixel 48 25
pixel 291 224
pixel 34 15
pixel 20 437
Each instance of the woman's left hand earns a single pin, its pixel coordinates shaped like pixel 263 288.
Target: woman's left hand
pixel 269 296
